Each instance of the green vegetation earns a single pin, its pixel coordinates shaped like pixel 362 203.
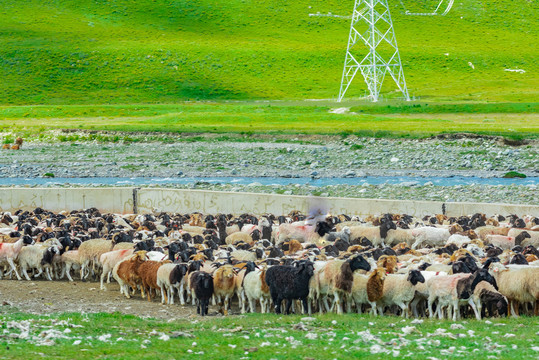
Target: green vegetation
pixel 157 51
pixel 258 118
pixel 116 336
pixel 514 174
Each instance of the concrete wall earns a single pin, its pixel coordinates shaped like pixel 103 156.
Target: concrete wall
pixel 118 200
pixel 129 200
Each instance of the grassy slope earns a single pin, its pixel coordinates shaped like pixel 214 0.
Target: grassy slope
pixel 507 120
pixel 125 51
pixel 269 336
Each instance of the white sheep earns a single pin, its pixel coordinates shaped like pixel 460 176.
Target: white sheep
pixel 30 258
pixel 108 260
pixel 169 278
pixel 89 253
pixel 399 289
pixel 256 289
pixel 519 286
pixel 9 252
pixel 458 240
pixel 70 260
pixel 430 236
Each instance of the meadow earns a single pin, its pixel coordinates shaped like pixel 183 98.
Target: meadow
pixel 117 336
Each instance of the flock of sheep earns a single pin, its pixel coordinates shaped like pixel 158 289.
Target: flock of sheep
pixel 434 266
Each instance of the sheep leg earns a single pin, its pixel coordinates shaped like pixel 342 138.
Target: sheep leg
pixel 181 295
pixel 13 268
pixel 103 278
pixel 23 270
pixel 337 302
pixel 373 308
pixel 516 312
pixel 252 305
pixel 277 304
pixel 39 273
pixel 305 305
pixel 536 308
pixel 162 295
pixel 225 307
pixel 67 272
pixel 325 302
pixel 475 310
pixel 288 306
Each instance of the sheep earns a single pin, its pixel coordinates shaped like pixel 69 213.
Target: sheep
pixel 375 234
pixel 47 260
pixel 388 262
pixel 450 290
pixel 344 234
pixel 368 289
pixel 201 285
pixel 89 253
pixel 288 283
pixel 10 251
pixel 243 255
pixel 256 288
pixel 147 271
pixel 430 236
pixel 70 259
pixel 483 231
pixel 399 289
pixel 396 236
pixel 169 277
pixel 486 293
pixel 518 286
pixel 30 257
pixel 530 237
pixel 108 260
pixel 458 240
pixel 224 285
pixel 302 232
pixel 337 278
pixel 422 292
pixel 237 237
pixel 125 272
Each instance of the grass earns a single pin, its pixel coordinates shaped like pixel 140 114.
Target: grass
pixel 117 336
pixel 272 118
pixel 157 51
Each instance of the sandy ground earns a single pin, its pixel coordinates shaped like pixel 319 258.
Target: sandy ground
pixel 46 297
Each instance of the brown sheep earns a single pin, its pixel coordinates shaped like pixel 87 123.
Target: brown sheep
pixel 19 141
pixel 375 285
pixel 196 220
pixel 15 147
pixel 224 286
pixel 6 146
pixel 147 272
pixel 125 272
pixel 293 247
pixel 388 262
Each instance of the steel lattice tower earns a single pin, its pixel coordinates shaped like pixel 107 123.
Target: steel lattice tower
pixel 372 26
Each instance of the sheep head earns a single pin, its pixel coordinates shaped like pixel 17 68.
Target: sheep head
pixel 415 276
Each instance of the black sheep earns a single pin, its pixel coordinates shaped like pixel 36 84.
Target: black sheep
pixel 202 285
pixel 289 283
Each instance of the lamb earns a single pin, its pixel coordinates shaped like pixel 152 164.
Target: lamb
pixel 109 259
pixel 201 285
pixel 398 235
pixel 399 289
pixel 519 286
pixel 422 292
pixel 224 285
pixel 368 289
pixel 10 251
pixel 430 236
pixel 483 231
pixel 47 260
pixel 486 293
pixel 337 278
pixel 289 282
pixel 125 272
pixel 458 240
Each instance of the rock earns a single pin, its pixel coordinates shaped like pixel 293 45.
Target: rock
pixel 177 334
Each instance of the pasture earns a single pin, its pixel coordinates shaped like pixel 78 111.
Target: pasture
pixel 254 336
pixel 278 118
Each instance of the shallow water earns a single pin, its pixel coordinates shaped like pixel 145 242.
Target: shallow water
pixel 278 181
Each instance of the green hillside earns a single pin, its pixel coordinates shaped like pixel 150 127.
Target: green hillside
pixel 133 51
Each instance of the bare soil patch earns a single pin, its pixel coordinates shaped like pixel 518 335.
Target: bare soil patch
pixel 47 297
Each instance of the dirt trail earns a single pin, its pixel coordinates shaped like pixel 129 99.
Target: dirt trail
pixel 46 297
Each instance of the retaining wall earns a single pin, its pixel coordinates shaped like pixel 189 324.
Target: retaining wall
pixel 140 200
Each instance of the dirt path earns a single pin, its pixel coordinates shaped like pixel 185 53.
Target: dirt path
pixel 46 297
